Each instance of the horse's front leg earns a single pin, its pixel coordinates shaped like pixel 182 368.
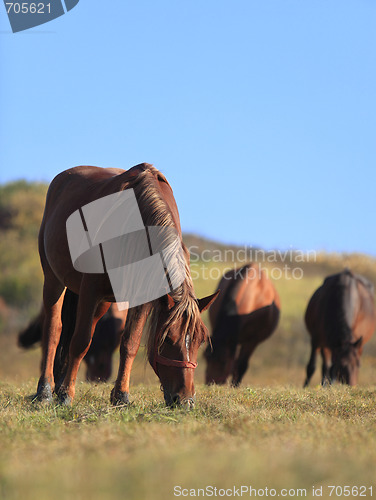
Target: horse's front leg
pixel 89 311
pixel 53 297
pixel 129 344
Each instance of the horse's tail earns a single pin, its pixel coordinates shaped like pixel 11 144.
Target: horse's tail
pixel 32 333
pixel 68 317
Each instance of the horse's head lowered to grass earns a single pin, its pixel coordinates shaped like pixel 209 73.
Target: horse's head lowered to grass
pixel 173 345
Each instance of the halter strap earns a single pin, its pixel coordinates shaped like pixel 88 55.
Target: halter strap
pixel 162 360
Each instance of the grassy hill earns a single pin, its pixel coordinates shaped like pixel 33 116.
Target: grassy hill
pixel 21 210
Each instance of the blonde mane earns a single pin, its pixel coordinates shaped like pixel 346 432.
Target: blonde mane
pixel 155 212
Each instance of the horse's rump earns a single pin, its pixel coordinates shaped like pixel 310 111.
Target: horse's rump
pixel 243 292
pixel 338 309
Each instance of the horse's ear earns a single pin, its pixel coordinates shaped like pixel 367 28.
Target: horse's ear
pixel 206 302
pixel 170 301
pixel 357 343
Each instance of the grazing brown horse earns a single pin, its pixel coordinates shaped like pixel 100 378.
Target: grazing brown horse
pixel 106 340
pixel 245 314
pixel 176 328
pixel 340 318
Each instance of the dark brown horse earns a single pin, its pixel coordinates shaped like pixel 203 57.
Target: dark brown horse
pixel 176 328
pixel 245 314
pixel 106 340
pixel 340 318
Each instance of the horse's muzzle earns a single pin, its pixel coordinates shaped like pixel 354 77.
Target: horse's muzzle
pixel 177 401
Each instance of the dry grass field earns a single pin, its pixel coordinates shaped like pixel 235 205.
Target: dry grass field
pixel 278 437
pixel 269 433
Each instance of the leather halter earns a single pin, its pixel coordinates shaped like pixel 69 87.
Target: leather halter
pixel 162 360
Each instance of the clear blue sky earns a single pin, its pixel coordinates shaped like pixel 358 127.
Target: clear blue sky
pixel 261 113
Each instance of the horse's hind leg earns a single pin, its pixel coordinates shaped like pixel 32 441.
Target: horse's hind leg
pixel 326 357
pixel 241 363
pixel 89 310
pixel 52 302
pixel 129 344
pixel 311 365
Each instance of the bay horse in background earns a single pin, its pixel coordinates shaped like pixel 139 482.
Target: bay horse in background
pixel 176 329
pixel 106 339
pixel 340 318
pixel 245 314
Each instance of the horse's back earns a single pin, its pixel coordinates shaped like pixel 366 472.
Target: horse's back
pixel 82 184
pixel 255 292
pixel 243 292
pixel 68 192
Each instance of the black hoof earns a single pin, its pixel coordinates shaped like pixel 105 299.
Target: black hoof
pixel 119 398
pixel 44 392
pixel 63 397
